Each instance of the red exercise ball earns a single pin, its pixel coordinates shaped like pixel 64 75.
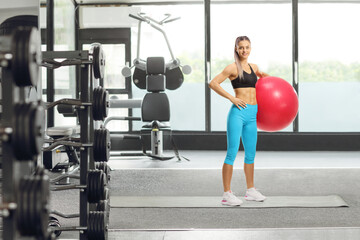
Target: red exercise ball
pixel 277 103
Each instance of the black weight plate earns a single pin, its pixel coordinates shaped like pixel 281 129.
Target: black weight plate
pixel 26 131
pixel 17 61
pixel 93 189
pixel 100 148
pixel 103 145
pixel 16 137
pixel 25 66
pixel 105 104
pixel 23 226
pixel 102 184
pixel 11 24
pixel 38 207
pixel 96 147
pixel 98 104
pixel 108 145
pixel 26 207
pixel 20 217
pixel 34 56
pixel 104 225
pixel 97 226
pixel 139 78
pixel 99 186
pixel 23 138
pixel 174 78
pixel 34 209
pixel 91 231
pixel 98 61
pixel 37 125
pixel 30 211
pixel 93 186
pixel 90 186
pixel 95 104
pixel 101 104
pixel 42 205
pixel 94 107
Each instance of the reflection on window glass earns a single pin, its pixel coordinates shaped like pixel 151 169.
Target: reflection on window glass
pixel 269 29
pixel 186 38
pixel 329 84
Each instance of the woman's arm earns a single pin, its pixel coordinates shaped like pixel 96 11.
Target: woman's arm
pixel 221 77
pixel 259 73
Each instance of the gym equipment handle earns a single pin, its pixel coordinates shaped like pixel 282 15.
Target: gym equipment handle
pixel 75 215
pixel 138 18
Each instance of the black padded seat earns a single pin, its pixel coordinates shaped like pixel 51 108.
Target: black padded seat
pixel 155 107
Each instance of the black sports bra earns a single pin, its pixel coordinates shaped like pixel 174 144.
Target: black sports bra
pixel 249 80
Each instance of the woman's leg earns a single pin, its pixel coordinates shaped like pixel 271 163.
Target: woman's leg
pixel 227 172
pixel 234 129
pixel 249 175
pixel 249 139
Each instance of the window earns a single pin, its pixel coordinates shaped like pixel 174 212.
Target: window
pixel 329 69
pixel 269 28
pixel 64 40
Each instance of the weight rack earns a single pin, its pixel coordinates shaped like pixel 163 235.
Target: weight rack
pixel 25 193
pixel 89 70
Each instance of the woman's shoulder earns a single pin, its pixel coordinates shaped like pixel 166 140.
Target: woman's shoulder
pixel 231 69
pixel 254 66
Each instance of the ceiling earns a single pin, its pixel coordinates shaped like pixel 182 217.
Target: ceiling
pixel 130 2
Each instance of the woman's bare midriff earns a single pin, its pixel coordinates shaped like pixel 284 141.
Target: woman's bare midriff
pixel 246 94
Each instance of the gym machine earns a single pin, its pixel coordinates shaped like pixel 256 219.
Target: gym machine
pixel 173 74
pixel 155 75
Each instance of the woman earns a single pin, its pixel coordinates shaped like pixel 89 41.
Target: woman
pixel 241 122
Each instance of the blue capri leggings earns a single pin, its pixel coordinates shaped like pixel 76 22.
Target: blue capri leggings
pixel 241 124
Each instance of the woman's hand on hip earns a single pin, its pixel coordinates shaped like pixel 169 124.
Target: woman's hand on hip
pixel 238 102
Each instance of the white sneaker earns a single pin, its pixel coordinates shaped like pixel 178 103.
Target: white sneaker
pixel 230 199
pixel 254 195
